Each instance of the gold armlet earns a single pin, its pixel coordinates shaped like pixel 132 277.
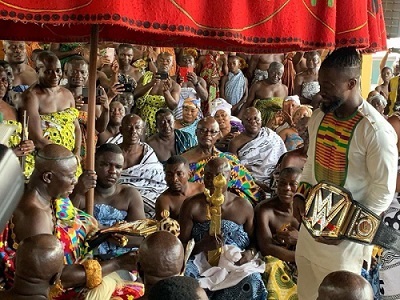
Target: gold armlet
pixel 93 271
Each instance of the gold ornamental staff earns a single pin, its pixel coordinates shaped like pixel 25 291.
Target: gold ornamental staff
pixel 214 215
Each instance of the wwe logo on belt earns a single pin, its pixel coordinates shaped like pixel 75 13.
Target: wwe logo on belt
pixel 325 211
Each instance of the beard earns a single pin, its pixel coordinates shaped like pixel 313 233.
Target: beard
pixel 335 103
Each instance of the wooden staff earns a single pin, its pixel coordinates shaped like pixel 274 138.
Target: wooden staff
pixel 90 148
pixel 24 137
pixel 214 215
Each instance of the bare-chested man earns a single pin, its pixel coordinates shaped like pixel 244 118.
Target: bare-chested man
pixel 277 231
pixel 51 107
pixel 259 65
pixel 237 229
pixel 161 255
pixel 112 134
pixel 15 55
pixel 386 75
pixel 306 84
pixel 155 91
pixel 39 264
pixel 179 189
pixel 169 141
pixel 43 209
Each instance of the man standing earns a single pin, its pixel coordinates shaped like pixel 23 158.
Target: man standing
pixel 351 145
pixel 15 55
pixel 179 188
pixel 53 117
pixel 169 141
pixel 155 91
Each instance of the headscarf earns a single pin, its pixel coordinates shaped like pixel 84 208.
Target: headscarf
pixel 218 104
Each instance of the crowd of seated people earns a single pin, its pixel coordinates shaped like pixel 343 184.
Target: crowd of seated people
pixel 167 122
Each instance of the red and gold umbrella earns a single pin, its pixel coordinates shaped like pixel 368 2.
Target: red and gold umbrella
pixel 250 26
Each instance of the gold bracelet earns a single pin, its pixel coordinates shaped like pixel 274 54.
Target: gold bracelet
pixel 93 273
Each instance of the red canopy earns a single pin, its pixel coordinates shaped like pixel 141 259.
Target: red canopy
pixel 233 25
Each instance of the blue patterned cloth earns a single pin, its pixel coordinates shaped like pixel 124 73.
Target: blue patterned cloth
pixel 107 215
pixel 251 287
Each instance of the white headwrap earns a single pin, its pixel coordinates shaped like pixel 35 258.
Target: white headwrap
pixel 294 98
pixel 218 104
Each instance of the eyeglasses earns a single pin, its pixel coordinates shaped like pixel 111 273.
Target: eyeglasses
pixel 205 131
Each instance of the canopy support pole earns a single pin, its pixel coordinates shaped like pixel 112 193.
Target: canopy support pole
pixel 90 148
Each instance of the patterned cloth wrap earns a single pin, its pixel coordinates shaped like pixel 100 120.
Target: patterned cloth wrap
pixel 148 105
pixel 15 140
pixel 82 119
pixel 241 182
pixel 310 89
pixel 280 279
pixel 71 228
pixel 268 108
pixel 59 128
pixel 107 215
pixel 293 141
pixel 251 287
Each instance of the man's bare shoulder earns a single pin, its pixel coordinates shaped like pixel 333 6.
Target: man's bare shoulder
pixel 267 205
pixel 128 191
pixel 242 204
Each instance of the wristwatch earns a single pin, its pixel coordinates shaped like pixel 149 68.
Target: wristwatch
pixel 331 212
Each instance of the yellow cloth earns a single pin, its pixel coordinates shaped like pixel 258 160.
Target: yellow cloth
pixel 59 127
pixel 279 280
pixel 148 105
pixel 393 86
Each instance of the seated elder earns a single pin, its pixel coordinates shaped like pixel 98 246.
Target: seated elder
pixel 191 114
pixel 229 125
pixel 141 169
pixel 169 141
pixel 276 235
pixel 258 148
pixel 45 208
pixel 238 275
pixel 241 181
pixel 177 288
pixel 179 188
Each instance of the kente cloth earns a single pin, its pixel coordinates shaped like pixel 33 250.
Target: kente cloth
pixel 261 154
pixel 390 260
pixel 82 119
pixel 210 71
pixel 183 141
pixel 259 75
pixel 191 129
pixel 235 87
pixel 147 177
pixel 268 108
pixel 107 215
pixel 186 92
pixel 20 88
pixel 280 279
pixel 15 140
pixel 309 89
pixel 293 141
pixel 347 155
pixel 241 182
pixel 59 127
pixel 115 139
pixel 232 234
pixel 393 95
pixel 148 105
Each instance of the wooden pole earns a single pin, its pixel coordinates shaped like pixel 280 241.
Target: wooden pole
pixel 90 143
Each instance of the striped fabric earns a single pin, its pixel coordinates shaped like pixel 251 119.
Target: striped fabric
pixel 333 141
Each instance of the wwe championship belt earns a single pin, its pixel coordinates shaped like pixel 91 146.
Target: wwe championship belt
pixel 331 212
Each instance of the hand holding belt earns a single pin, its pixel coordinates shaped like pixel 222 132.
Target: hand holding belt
pixel 331 212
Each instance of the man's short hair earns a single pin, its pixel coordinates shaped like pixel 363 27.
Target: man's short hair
pixel 120 46
pixel 108 147
pixel 76 58
pixel 45 56
pixel 276 65
pixel 163 111
pixel 290 171
pixel 175 288
pixel 346 57
pixel 177 159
